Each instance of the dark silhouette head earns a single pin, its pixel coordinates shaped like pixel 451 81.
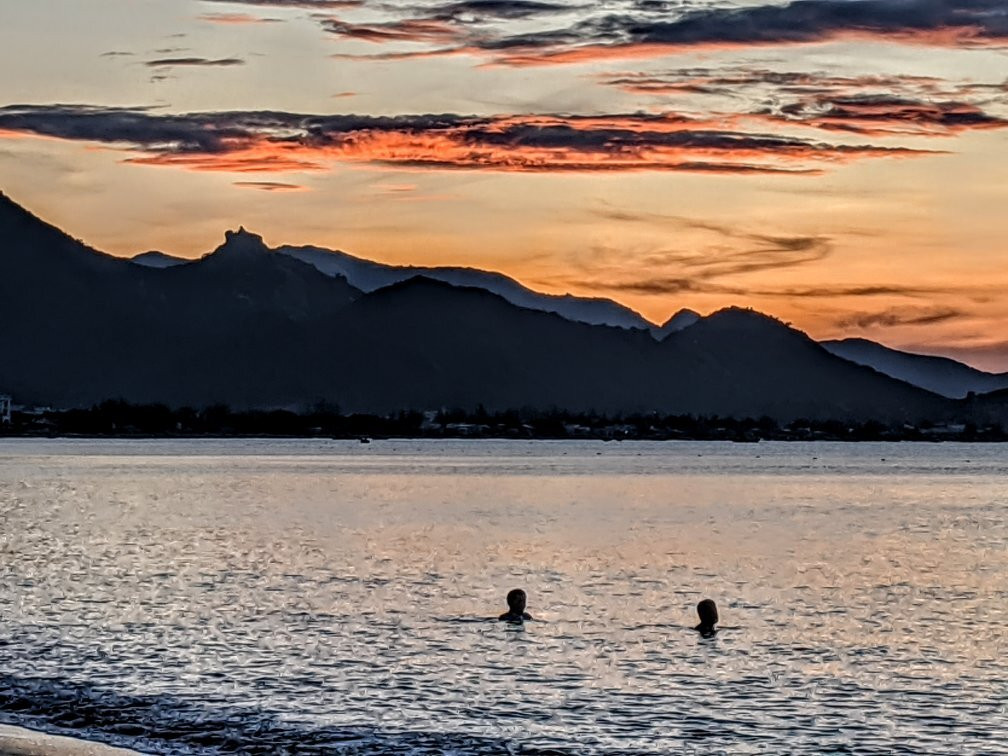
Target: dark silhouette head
pixel 516 607
pixel 707 610
pixel 516 601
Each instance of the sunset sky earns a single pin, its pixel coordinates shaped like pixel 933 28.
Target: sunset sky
pixel 841 164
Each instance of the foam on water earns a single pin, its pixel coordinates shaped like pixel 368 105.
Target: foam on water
pixel 274 596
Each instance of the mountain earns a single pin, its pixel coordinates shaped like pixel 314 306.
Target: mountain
pixel 682 319
pixel 369 276
pixel 252 327
pixel 82 326
pixel 941 375
pixel 745 363
pixel 243 277
pixel 155 259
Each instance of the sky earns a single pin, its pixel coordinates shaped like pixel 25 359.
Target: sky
pixel 839 164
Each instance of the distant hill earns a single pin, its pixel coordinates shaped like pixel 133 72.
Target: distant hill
pixel 746 363
pixel 155 259
pixel 941 375
pixel 680 320
pixel 255 327
pixel 369 276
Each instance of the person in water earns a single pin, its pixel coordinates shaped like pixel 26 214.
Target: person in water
pixel 516 607
pixel 707 610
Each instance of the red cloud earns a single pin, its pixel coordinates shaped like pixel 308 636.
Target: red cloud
pixel 274 142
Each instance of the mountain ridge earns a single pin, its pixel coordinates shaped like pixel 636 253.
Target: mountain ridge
pixel 248 326
pixel 941 375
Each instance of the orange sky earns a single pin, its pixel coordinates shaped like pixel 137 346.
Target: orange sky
pixel 851 179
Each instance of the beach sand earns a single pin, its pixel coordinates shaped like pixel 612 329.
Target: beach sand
pixel 16 741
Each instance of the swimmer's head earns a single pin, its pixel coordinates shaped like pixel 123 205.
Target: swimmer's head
pixel 516 601
pixel 707 610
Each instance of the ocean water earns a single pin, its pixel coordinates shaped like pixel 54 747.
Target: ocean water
pixel 330 597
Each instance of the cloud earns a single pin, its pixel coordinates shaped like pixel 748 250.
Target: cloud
pixel 236 18
pixel 272 141
pixel 311 4
pixel 271 186
pixel 635 29
pixel 698 272
pixel 882 115
pixel 719 267
pixel 868 105
pixel 900 316
pixel 925 22
pixel 172 62
pixel 697 267
pixel 420 30
pixel 732 81
pixel 474 11
pixel 677 284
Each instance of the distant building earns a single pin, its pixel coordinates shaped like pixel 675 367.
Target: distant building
pixel 5 409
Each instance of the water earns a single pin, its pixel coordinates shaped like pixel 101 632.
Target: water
pixel 334 597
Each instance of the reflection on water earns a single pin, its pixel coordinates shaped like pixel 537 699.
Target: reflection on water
pixel 333 596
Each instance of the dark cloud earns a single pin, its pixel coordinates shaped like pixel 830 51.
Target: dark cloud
pixel 629 28
pixel 732 81
pixel 279 141
pixel 270 186
pixel 172 62
pixel 676 284
pixel 900 316
pixel 446 23
pixel 481 10
pixel 311 4
pixel 942 22
pixel 869 105
pixel 881 115
pixel 875 290
pixel 408 30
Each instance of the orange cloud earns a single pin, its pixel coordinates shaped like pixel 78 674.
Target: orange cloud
pixel 275 142
pixel 235 18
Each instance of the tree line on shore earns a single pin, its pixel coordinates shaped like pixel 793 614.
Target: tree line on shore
pixel 116 418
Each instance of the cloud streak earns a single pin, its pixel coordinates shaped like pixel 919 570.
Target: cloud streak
pixel 273 141
pixel 310 4
pixel 870 105
pixel 883 115
pixel 271 186
pixel 235 19
pixel 900 316
pixel 636 29
pixel 193 61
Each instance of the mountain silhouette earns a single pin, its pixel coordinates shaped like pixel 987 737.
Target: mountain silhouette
pixel 155 259
pixel 938 374
pixel 254 327
pixel 368 276
pixel 682 319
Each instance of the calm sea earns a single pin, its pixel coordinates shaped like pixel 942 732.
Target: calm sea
pixel 334 597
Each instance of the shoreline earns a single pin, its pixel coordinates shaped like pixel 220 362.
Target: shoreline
pixel 20 741
pixel 887 437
